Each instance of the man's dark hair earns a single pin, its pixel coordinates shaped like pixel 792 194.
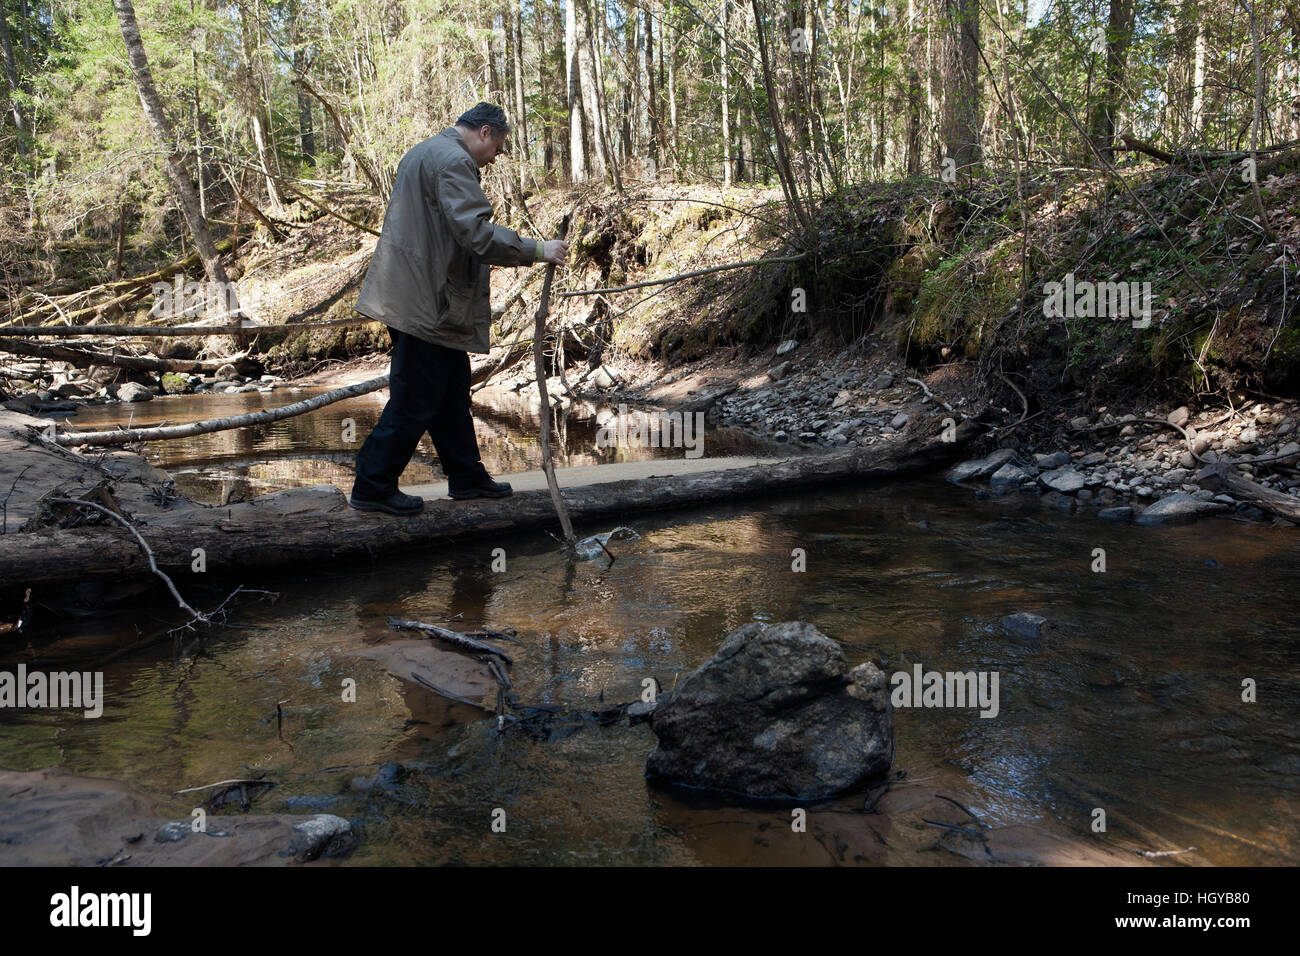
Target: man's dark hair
pixel 485 114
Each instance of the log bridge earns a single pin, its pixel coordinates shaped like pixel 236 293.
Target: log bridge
pixel 303 525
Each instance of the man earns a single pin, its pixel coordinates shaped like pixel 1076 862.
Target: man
pixel 428 282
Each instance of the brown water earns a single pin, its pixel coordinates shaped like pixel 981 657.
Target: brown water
pixel 1134 706
pixel 311 449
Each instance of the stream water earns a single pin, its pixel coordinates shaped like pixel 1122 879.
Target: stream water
pixel 313 449
pixel 1134 704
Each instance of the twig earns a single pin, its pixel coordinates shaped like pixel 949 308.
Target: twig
pixel 1157 854
pixel 451 637
pixel 929 394
pixel 153 565
pixel 684 275
pixel 952 826
pixel 1024 416
pixel 448 694
pixel 225 783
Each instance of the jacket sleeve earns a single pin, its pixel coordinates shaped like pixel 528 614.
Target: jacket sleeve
pixel 469 217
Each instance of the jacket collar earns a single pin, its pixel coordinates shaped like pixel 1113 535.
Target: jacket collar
pixel 453 133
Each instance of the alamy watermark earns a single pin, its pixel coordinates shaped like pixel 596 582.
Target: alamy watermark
pixel 652 430
pixel 77 909
pixel 922 688
pixel 192 300
pixel 1114 300
pixel 59 689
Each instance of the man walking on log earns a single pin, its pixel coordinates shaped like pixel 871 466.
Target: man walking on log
pixel 428 282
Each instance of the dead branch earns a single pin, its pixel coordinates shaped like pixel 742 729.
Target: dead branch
pixel 136 286
pixel 684 275
pixel 127 435
pixel 929 394
pixel 144 546
pixel 448 694
pixel 459 641
pixel 174 331
pixel 84 358
pixel 337 215
pixel 224 783
pixel 539 368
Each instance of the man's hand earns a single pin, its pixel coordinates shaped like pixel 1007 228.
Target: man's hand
pixel 555 251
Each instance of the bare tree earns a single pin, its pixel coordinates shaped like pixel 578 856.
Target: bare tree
pixel 162 131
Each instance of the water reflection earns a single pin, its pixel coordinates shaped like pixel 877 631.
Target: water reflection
pixel 310 449
pixel 1133 704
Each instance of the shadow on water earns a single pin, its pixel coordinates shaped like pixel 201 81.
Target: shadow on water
pixel 1132 704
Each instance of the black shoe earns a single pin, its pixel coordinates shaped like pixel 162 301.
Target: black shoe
pixel 398 503
pixel 484 489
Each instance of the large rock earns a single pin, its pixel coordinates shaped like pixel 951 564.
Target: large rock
pixel 1057 459
pixel 1064 480
pixel 778 372
pixel 133 392
pixel 1179 508
pixel 776 714
pixel 1007 479
pixel 980 467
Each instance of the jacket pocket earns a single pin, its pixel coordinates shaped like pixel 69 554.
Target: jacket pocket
pixel 459 316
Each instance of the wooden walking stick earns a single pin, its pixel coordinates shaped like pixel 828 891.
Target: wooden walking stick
pixel 539 363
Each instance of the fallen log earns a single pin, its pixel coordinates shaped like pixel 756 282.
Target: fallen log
pixel 333 212
pixel 174 331
pixel 1187 157
pixel 136 286
pixel 290 528
pixel 84 358
pixel 165 432
pixel 1221 477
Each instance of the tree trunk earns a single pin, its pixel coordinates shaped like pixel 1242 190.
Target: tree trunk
pixel 264 157
pixel 11 78
pixel 912 136
pixel 516 30
pixel 548 143
pixel 306 134
pixel 1198 79
pixel 1119 32
pixel 672 96
pixel 578 164
pixel 162 132
pixel 593 95
pixel 726 95
pixel 960 82
pixel 652 114
pixel 121 243
pixel 255 534
pixel 84 358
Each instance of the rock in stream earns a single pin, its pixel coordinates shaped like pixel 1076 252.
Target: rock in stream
pixel 776 714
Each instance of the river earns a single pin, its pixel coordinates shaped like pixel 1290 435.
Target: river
pixel 1132 704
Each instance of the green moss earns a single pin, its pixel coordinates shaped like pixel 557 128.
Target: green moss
pixel 175 384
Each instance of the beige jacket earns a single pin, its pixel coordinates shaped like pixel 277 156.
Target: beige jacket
pixel 429 272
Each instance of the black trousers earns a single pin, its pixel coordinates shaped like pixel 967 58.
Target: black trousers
pixel 428 391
